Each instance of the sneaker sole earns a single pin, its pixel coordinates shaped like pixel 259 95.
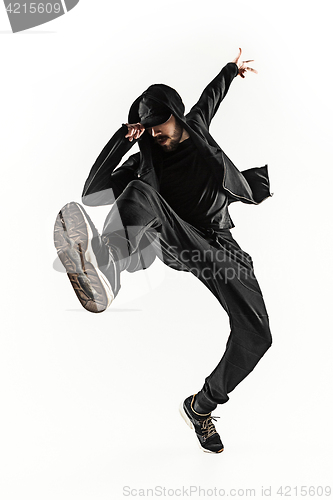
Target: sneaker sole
pixel 72 223
pixel 184 415
pixel 189 423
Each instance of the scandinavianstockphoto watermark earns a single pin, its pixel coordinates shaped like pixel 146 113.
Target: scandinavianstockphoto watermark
pixel 201 492
pixel 213 263
pixel 24 15
pixel 186 491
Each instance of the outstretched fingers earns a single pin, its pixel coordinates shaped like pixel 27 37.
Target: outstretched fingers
pixel 251 69
pixel 243 65
pixel 238 57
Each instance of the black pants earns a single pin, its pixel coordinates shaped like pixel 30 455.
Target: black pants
pixel 142 225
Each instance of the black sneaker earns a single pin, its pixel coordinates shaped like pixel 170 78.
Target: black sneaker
pixel 209 440
pixel 82 252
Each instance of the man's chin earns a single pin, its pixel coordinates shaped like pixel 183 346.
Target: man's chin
pixel 168 147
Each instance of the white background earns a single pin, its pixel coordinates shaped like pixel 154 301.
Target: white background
pixel 89 403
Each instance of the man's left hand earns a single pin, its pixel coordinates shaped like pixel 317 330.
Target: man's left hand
pixel 243 65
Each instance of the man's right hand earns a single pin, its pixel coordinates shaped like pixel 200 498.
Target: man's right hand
pixel 135 131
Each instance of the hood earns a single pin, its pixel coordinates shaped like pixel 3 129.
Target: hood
pixel 149 150
pixel 163 94
pixel 169 97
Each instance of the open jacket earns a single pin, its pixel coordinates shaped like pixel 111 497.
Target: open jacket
pixel 104 184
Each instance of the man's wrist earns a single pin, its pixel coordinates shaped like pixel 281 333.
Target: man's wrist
pixel 233 68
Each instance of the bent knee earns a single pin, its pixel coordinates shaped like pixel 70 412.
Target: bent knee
pixel 265 335
pixel 268 339
pixel 139 191
pixel 140 186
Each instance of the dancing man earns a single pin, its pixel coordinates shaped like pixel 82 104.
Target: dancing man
pixel 171 200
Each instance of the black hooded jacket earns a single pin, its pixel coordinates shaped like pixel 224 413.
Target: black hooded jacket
pixel 104 184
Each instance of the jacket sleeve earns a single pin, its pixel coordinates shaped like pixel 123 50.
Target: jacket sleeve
pixel 102 185
pixel 213 95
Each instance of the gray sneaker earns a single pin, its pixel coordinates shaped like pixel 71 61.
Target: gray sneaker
pixel 90 267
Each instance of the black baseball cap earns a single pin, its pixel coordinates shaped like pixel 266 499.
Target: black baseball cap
pixel 152 113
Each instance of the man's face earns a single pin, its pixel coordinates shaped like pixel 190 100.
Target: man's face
pixel 167 135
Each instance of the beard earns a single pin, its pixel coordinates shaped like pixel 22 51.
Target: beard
pixel 173 140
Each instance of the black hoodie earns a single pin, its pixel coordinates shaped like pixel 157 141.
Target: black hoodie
pixel 104 184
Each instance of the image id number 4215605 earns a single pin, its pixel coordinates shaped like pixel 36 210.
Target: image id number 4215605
pixel 34 8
